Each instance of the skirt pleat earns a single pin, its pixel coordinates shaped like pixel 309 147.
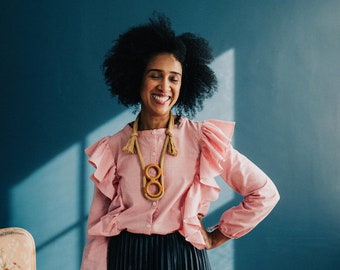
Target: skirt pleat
pixel 128 251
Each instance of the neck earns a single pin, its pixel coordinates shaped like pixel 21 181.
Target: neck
pixel 147 122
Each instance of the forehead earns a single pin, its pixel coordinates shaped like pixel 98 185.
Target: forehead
pixel 164 62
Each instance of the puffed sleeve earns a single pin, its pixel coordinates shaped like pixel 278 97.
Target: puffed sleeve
pixel 259 193
pixel 101 157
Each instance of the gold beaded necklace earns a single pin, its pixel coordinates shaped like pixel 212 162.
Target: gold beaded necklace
pixel 157 180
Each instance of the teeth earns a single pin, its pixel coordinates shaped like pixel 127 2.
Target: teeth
pixel 161 98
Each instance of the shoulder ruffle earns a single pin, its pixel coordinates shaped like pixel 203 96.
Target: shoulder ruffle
pixel 102 159
pixel 215 141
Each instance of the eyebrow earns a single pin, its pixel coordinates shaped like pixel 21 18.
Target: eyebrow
pixel 159 70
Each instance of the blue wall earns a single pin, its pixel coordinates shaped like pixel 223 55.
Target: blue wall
pixel 283 61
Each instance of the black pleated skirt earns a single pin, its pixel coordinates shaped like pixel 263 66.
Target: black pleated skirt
pixel 128 251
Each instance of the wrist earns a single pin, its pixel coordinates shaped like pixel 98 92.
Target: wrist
pixel 218 238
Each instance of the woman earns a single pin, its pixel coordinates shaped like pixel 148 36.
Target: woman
pixel 154 179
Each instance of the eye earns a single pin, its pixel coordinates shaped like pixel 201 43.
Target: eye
pixel 154 75
pixel 175 79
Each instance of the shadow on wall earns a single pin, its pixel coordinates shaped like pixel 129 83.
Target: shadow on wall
pixel 285 105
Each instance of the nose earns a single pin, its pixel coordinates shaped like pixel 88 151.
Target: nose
pixel 164 85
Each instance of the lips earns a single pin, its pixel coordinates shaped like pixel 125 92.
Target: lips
pixel 161 98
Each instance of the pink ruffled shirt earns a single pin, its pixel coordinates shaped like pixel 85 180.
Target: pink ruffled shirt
pixel 204 152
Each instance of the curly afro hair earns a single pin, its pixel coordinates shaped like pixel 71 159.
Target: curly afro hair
pixel 126 61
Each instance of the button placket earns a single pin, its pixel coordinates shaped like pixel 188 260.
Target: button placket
pixel 154 207
pixel 154 146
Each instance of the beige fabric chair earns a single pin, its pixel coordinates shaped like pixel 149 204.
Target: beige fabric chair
pixel 17 249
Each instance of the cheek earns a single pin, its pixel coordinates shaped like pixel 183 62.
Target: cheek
pixel 144 87
pixel 178 91
pixel 147 85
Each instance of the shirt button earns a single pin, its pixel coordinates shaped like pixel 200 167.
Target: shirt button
pixel 153 132
pixel 148 225
pixel 153 154
pixel 154 204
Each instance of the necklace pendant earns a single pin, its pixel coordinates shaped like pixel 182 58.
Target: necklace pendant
pixel 153 182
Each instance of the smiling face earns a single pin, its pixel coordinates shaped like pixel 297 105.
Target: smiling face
pixel 161 85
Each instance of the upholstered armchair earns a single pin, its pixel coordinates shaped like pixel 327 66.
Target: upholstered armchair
pixel 17 249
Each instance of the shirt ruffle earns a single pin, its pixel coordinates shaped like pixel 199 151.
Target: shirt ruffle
pixel 215 141
pixel 101 157
pixel 108 224
pixel 104 177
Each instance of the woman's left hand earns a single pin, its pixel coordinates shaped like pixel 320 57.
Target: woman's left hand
pixel 212 239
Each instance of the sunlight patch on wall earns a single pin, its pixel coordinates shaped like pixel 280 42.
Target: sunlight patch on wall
pixel 47 204
pixel 110 127
pixel 221 105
